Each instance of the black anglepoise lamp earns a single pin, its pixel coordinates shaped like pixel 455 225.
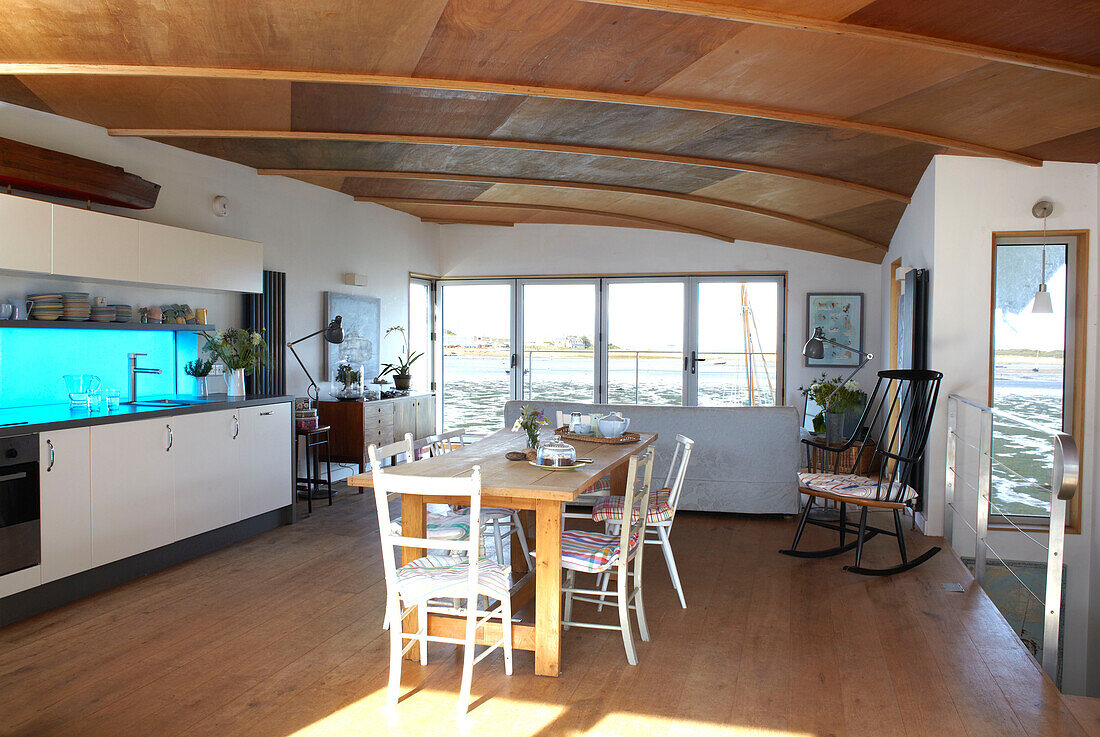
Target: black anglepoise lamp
pixel 334 333
pixel 815 348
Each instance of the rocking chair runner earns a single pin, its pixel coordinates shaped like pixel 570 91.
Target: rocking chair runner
pixel 900 411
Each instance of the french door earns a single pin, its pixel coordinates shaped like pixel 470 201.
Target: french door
pixel 693 341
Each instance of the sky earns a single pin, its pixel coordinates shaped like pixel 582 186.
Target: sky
pixel 1024 330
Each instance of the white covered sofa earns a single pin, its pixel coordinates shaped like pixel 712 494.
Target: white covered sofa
pixel 745 460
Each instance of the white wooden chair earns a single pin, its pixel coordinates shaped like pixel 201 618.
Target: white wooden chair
pixel 441 524
pixel 598 552
pixel 504 521
pixel 426 583
pixel 661 514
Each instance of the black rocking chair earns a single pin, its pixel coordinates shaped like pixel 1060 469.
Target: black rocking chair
pixel 900 411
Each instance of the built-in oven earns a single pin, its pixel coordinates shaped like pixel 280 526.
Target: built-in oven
pixel 20 541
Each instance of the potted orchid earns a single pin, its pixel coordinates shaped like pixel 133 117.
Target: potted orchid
pixel 241 351
pixel 400 369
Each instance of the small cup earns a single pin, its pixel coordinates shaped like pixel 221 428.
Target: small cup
pixel 113 397
pixel 99 301
pixel 95 401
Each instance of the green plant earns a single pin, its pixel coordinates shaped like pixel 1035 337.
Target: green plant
pixel 347 374
pixel 405 361
pixel 530 420
pixel 198 368
pixel 847 396
pixel 238 349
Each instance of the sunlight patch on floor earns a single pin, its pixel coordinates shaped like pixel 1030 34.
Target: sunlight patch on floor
pixel 431 712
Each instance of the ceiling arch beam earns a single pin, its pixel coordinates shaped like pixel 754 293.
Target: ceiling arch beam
pixel 562 148
pixel 588 186
pixel 723 11
pixel 397 202
pixel 498 88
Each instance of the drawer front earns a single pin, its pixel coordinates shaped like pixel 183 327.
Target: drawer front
pixel 378 436
pixel 380 409
pixel 375 423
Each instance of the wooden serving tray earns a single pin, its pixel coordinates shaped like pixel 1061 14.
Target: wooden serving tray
pixel 625 439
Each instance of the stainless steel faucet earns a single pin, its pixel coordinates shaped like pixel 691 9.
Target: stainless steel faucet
pixel 134 371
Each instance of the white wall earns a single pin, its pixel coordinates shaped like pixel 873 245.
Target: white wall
pixel 313 234
pixel 960 203
pixel 541 250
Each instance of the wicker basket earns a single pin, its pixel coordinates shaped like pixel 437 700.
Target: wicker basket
pixel 847 459
pixel 625 439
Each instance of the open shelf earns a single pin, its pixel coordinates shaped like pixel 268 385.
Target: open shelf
pixel 67 325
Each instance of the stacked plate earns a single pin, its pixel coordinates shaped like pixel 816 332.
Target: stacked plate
pixel 103 314
pixel 123 313
pixel 46 306
pixel 77 306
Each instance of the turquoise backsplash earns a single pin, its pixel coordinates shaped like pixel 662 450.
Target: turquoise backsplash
pixel 32 362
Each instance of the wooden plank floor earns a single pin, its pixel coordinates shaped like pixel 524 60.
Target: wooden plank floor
pixel 281 635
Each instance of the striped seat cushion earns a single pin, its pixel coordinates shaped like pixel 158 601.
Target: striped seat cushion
pixel 599 488
pixel 435 576
pixel 441 527
pixel 610 508
pixel 856 487
pixel 591 552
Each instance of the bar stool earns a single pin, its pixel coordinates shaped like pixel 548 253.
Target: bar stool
pixel 315 438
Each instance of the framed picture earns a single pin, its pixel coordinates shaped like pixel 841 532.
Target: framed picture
pixel 841 317
pixel 362 327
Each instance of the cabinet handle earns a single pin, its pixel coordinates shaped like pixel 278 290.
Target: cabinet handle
pixel 269 412
pixel 49 467
pixel 236 427
pixel 170 439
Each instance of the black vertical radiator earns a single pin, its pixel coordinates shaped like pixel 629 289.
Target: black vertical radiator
pixel 267 312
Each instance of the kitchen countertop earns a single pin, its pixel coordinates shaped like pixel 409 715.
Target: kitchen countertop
pixel 45 417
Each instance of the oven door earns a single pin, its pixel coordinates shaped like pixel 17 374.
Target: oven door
pixel 20 543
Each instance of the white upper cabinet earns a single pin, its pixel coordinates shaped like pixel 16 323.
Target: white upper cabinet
pixel 40 237
pixel 25 233
pixel 188 258
pixel 94 245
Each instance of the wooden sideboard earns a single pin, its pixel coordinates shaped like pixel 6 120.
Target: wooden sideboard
pixel 355 425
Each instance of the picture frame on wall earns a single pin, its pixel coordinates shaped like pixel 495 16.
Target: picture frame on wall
pixel 362 324
pixel 840 315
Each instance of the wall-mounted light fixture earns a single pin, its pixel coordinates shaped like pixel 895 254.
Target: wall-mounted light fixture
pixel 220 205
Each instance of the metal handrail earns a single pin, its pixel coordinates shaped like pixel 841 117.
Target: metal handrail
pixel 1064 482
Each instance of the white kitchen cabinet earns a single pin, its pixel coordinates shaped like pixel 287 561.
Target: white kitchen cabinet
pixel 94 245
pixel 188 258
pixel 25 233
pixel 133 504
pixel 266 454
pixel 207 471
pixel 65 481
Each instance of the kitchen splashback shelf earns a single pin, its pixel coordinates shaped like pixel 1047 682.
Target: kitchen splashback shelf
pixel 65 325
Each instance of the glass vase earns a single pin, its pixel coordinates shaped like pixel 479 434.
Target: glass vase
pixel 234 383
pixel 202 388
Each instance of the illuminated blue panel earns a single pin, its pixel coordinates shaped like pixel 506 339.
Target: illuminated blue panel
pixel 32 362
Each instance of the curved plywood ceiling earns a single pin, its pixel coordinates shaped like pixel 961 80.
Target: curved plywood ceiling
pixel 792 122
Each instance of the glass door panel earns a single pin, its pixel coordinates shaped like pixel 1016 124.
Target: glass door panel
pixel 420 334
pixel 1030 365
pixel 559 341
pixel 645 342
pixel 477 355
pixel 737 337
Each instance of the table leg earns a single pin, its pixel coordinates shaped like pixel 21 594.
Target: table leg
pixel 414 523
pixel 618 477
pixel 548 588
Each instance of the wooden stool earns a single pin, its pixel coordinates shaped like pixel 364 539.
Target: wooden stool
pixel 315 438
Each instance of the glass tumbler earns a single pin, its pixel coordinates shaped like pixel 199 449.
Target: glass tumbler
pixel 113 397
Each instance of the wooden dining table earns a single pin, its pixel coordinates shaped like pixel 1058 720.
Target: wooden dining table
pixel 536 491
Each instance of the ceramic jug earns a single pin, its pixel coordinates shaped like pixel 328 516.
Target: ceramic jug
pixel 20 308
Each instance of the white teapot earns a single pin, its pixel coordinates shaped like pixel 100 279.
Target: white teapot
pixel 613 425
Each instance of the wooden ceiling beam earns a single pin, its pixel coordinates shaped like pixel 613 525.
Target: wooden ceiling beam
pixel 542 146
pixel 724 11
pixel 649 222
pixel 398 202
pixel 559 184
pixel 452 221
pixel 497 88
